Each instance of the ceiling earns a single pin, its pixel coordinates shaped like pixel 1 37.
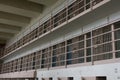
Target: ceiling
pixel 16 14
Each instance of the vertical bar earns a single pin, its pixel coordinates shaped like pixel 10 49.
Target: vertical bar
pixel 51 21
pixel 40 59
pixel 91 4
pixel 67 11
pixel 84 5
pixel 92 60
pixel 113 41
pixel 66 54
pixel 49 60
pixel 51 55
pixel 85 49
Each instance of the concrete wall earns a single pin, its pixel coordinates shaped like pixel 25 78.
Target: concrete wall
pixel 111 71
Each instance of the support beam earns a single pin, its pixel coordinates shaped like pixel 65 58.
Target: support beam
pixel 15 23
pixel 2 41
pixel 23 4
pixel 44 2
pixel 6 35
pixel 9 28
pixel 14 17
pixel 18 11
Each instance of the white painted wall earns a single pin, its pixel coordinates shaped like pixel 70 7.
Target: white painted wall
pixel 112 71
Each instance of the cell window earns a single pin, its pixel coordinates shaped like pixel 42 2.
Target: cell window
pixel 70 78
pixel 69 41
pixel 117 45
pixel 69 62
pixel 117 54
pixel 117 25
pixel 88 59
pixel 87 4
pixel 88 35
pixel 117 34
pixel 101 78
pixel 81 37
pixel 88 42
pixel 81 53
pixel 88 52
pixel 103 57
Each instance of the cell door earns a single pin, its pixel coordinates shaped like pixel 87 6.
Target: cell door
pixel 101 78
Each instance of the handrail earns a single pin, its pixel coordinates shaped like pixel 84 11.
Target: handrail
pixel 55 20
